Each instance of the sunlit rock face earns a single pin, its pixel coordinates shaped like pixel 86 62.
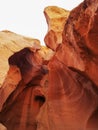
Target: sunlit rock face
pixel 2 127
pixel 9 44
pixel 55 90
pixel 56 18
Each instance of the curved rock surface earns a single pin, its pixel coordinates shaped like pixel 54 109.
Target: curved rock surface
pixel 56 18
pixel 2 127
pixel 72 99
pixel 9 44
pixel 80 40
pixel 22 99
pixel 56 91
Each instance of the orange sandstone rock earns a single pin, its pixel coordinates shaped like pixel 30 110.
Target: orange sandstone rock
pixel 22 99
pixel 60 91
pixel 72 98
pixel 80 40
pixel 9 44
pixel 56 18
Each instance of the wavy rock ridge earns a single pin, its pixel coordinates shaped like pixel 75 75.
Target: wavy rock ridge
pixel 55 90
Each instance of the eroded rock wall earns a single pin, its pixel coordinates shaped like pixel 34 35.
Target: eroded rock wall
pixel 9 44
pixel 56 18
pixel 72 100
pixel 21 100
pixel 56 91
pixel 80 40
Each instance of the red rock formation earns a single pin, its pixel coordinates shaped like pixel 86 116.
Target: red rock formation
pixel 23 104
pixel 10 43
pixel 10 83
pixel 72 100
pixel 80 40
pixel 65 98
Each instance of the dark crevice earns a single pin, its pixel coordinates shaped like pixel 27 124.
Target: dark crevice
pixel 40 98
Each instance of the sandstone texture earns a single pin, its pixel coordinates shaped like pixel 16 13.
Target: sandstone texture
pixel 9 44
pixel 80 40
pixel 55 90
pixel 56 18
pixel 22 97
pixel 2 127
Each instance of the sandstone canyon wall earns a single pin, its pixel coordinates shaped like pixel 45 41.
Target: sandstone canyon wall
pixel 9 44
pixel 55 90
pixel 56 18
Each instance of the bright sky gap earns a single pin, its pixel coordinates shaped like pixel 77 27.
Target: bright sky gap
pixel 26 17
